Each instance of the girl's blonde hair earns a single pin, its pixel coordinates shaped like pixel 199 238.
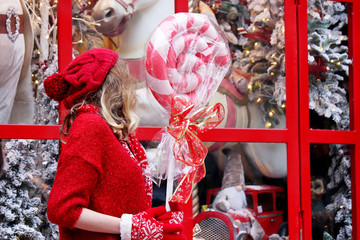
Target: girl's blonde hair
pixel 116 100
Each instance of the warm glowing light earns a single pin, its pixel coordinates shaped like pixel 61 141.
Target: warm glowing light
pixel 271 113
pixel 258 100
pixel 256 44
pixel 283 105
pixel 272 73
pixel 252 60
pixel 338 63
pixel 36 82
pixel 247 51
pixel 268 124
pixel 332 61
pixel 249 86
pixel 274 63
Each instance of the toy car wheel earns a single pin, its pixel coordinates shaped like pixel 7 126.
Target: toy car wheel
pixel 283 229
pixel 244 236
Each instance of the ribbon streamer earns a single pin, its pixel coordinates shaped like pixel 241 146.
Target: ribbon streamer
pixel 188 148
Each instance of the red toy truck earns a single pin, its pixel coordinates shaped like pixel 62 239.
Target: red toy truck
pixel 265 203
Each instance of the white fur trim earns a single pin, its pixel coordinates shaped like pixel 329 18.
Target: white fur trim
pixel 125 226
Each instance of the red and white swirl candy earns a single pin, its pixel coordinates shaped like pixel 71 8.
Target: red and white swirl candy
pixel 186 56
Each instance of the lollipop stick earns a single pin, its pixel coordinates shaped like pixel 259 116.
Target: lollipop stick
pixel 170 182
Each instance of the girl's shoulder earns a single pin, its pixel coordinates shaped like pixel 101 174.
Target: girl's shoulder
pixel 90 125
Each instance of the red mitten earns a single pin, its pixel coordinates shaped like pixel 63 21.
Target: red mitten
pixel 176 215
pixel 144 226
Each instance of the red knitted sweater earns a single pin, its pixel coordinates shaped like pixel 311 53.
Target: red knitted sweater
pixel 96 171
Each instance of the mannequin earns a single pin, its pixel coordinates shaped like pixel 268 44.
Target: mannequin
pixel 16 100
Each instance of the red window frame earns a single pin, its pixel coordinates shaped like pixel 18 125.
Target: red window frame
pixel 296 135
pixel 308 136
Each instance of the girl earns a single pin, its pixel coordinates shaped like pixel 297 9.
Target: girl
pixel 102 187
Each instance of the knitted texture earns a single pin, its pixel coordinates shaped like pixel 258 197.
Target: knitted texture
pixel 83 76
pixel 96 171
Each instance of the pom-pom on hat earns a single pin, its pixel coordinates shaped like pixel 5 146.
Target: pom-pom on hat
pixel 83 76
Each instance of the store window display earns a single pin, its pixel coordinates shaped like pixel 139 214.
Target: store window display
pixel 254 91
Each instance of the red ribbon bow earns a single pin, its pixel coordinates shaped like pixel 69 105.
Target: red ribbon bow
pixel 188 148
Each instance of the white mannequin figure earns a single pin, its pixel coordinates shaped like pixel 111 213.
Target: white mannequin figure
pixel 16 96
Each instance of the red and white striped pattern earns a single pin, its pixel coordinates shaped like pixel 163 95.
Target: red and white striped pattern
pixel 187 56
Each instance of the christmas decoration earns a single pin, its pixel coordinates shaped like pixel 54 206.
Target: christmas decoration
pixel 328 61
pixel 328 97
pixel 340 206
pixel 187 57
pixel 255 30
pixel 29 169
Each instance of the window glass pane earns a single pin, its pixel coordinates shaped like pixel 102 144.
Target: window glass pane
pixel 328 65
pixel 28 174
pixel 331 191
pixel 249 201
pixel 246 182
pixel 254 89
pixel 265 201
pixel 280 198
pixel 27 59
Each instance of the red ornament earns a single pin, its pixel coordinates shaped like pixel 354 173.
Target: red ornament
pixel 264 35
pixel 319 68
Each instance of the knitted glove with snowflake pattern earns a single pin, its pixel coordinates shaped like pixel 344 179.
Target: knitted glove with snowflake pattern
pixel 145 226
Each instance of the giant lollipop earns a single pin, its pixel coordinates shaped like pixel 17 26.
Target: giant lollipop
pixel 188 56
pixel 186 60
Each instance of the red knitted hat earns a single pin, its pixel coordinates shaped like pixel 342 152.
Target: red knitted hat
pixel 83 76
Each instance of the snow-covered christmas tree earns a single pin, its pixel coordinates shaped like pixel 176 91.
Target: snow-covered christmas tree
pixel 328 61
pixel 255 30
pixel 328 97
